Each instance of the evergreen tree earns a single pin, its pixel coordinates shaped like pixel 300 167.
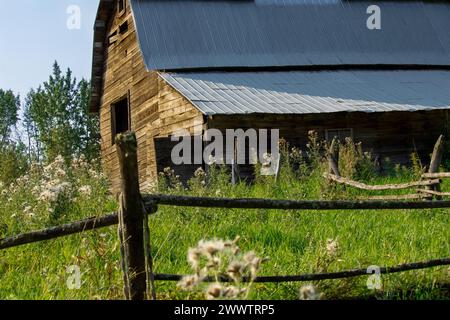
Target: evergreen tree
pixel 57 118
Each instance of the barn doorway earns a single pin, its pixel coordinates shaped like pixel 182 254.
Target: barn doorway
pixel 120 118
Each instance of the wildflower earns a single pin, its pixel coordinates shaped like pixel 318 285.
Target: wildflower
pixel 168 171
pixel 332 247
pixel 214 291
pixel 85 190
pixel 188 282
pixel 232 245
pixel 199 173
pixel 210 248
pixel 235 270
pixel 60 172
pixel 233 292
pixel 48 196
pixel 254 262
pixel 194 255
pixel 213 263
pixel 310 292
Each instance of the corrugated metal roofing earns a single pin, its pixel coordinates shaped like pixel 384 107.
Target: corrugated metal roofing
pixel 301 92
pixel 204 34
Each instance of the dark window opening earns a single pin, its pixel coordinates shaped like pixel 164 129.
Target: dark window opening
pixel 123 28
pixel 120 118
pixel 121 5
pixel 340 134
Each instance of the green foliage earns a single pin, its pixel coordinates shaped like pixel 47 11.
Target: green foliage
pixel 13 161
pixel 57 118
pixel 295 241
pixel 9 107
pixel 354 163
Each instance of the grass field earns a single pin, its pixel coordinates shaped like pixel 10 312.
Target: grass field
pixel 295 241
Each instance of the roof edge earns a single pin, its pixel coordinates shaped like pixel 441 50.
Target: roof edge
pixel 104 14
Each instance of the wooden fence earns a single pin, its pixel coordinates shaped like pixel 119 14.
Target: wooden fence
pixel 427 188
pixel 134 234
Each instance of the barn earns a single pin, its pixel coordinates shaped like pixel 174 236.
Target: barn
pixel 376 71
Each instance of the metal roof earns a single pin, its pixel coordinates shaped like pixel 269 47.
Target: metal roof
pixel 190 34
pixel 302 92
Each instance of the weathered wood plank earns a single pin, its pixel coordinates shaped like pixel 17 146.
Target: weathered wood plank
pixel 131 218
pixel 364 186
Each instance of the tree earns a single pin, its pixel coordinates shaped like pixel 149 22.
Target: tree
pixel 9 106
pixel 13 161
pixel 57 119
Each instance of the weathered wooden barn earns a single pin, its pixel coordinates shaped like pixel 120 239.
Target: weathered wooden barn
pixel 159 66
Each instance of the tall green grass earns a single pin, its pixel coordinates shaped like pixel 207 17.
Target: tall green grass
pixel 294 240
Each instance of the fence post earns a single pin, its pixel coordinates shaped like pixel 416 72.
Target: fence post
pixel 436 159
pixel 333 158
pixel 131 219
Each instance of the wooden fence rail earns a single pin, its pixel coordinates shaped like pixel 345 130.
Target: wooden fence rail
pixel 151 203
pixel 430 181
pixel 322 276
pixel 134 235
pixel 382 187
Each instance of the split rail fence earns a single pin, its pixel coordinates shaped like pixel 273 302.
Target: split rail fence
pixel 134 233
pixel 427 188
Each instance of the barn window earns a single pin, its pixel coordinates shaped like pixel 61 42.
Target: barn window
pixel 123 28
pixel 341 134
pixel 120 118
pixel 113 37
pixel 121 6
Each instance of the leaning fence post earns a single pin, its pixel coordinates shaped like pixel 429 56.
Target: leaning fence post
pixel 436 159
pixel 131 218
pixel 333 158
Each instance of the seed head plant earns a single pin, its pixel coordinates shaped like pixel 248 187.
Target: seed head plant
pixel 231 272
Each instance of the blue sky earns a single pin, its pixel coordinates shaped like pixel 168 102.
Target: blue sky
pixel 34 33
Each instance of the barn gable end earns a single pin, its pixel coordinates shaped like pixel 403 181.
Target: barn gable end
pixel 151 101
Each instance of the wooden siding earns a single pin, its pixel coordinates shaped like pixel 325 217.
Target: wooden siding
pixel 125 72
pixel 156 108
pixel 393 135
pixel 159 111
pixel 175 113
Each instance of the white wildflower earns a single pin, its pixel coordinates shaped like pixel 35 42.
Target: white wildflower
pixel 332 247
pixel 233 292
pixel 235 270
pixel 210 248
pixel 310 292
pixel 85 190
pixel 200 173
pixel 188 282
pixel 214 291
pixel 194 256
